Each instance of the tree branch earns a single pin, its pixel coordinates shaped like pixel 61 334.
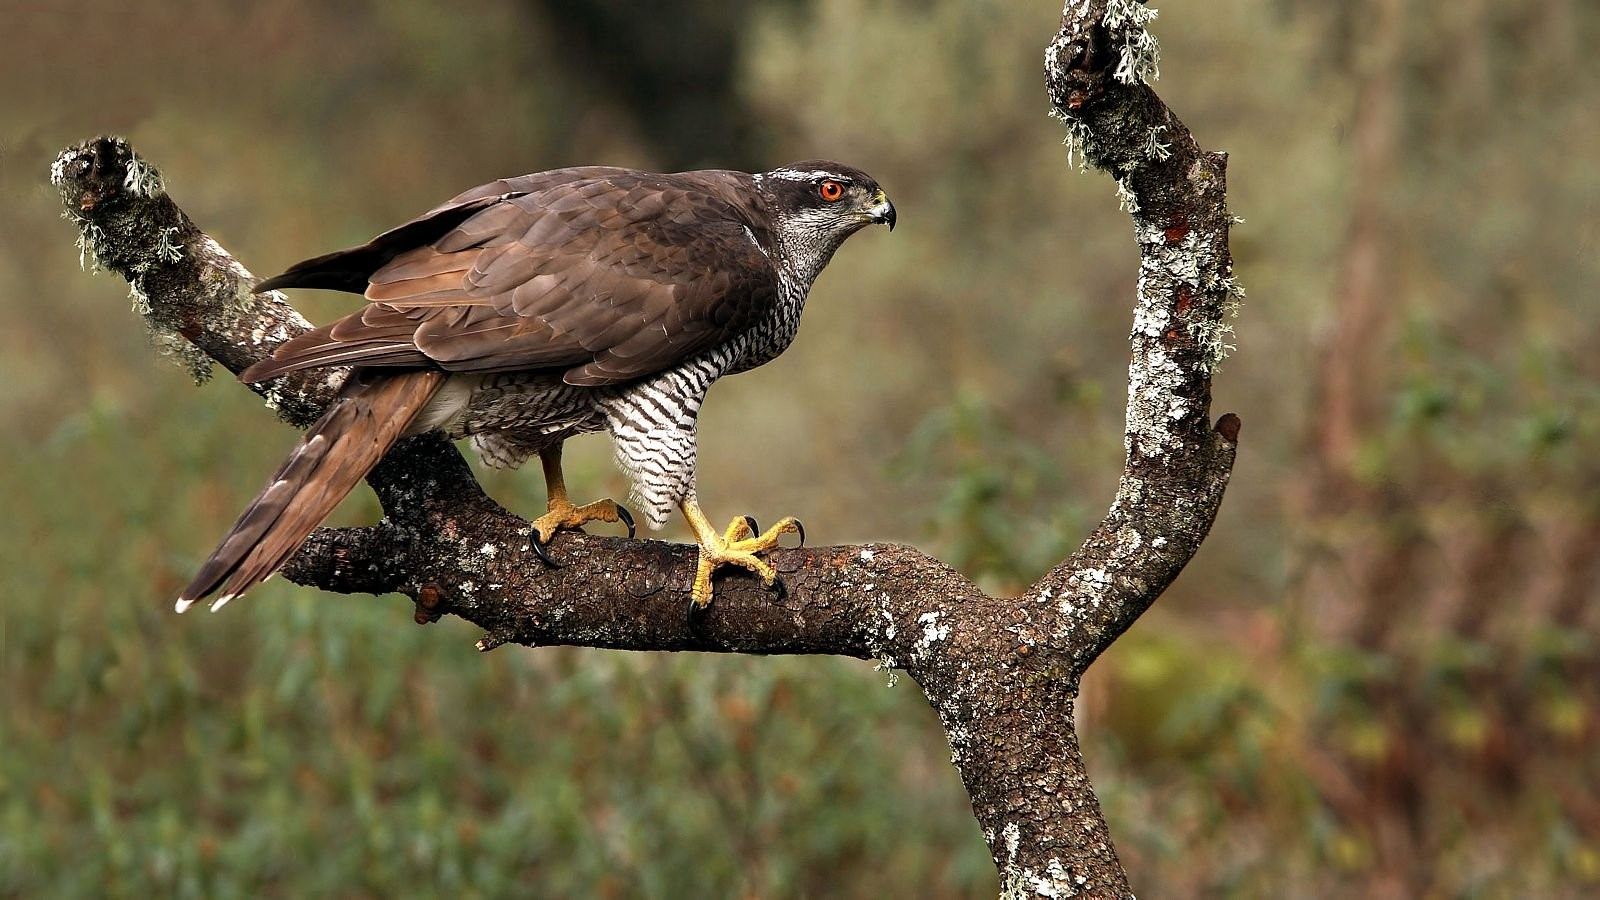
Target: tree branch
pixel 1002 673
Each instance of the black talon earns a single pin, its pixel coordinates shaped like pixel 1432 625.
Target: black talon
pixel 755 527
pixel 626 517
pixel 801 531
pixel 697 617
pixel 779 588
pixel 541 552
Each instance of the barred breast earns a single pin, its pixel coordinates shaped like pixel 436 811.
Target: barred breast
pixel 510 416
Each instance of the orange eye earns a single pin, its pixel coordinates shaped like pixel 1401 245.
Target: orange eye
pixel 831 190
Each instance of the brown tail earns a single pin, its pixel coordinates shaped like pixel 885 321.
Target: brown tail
pixel 337 452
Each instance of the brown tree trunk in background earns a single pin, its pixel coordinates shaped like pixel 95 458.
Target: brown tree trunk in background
pixel 1364 289
pixel 1359 561
pixel 1345 396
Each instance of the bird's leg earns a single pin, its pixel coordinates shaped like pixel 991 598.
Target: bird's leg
pixel 562 514
pixel 736 546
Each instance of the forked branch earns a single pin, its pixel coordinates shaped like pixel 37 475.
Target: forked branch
pixel 1002 673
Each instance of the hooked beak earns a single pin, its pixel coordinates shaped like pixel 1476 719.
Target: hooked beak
pixel 882 211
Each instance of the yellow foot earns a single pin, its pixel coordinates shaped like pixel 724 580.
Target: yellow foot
pixel 737 546
pixel 563 515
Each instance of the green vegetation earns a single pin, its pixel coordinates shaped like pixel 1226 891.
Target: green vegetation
pixel 1380 677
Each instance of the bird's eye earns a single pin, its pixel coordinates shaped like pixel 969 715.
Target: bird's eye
pixel 831 190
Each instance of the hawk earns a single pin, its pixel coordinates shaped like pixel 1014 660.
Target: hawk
pixel 532 309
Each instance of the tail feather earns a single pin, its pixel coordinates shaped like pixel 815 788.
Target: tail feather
pixel 337 452
pixel 374 336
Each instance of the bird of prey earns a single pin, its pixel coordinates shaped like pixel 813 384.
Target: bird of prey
pixel 532 309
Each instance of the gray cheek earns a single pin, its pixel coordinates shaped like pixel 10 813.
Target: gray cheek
pixel 823 220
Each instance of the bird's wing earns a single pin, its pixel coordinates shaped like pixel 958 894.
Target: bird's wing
pixel 347 270
pixel 607 279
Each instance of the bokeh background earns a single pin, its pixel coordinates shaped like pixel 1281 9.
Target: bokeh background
pixel 1379 678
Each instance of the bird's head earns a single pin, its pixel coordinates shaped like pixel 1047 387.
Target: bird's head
pixel 819 203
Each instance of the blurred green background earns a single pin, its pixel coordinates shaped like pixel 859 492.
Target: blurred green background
pixel 1379 678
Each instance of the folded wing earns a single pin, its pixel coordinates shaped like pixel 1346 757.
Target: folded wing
pixel 605 275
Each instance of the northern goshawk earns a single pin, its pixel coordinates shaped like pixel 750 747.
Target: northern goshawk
pixel 532 309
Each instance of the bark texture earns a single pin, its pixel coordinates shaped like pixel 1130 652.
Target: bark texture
pixel 1002 673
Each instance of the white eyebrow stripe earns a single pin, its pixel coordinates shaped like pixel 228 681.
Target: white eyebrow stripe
pixel 792 175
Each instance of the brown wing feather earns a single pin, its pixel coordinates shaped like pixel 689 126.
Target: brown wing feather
pixel 347 270
pixel 608 278
pixel 356 431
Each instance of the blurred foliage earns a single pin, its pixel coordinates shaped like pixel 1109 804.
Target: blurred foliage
pixel 675 72
pixel 1378 682
pixel 1004 514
